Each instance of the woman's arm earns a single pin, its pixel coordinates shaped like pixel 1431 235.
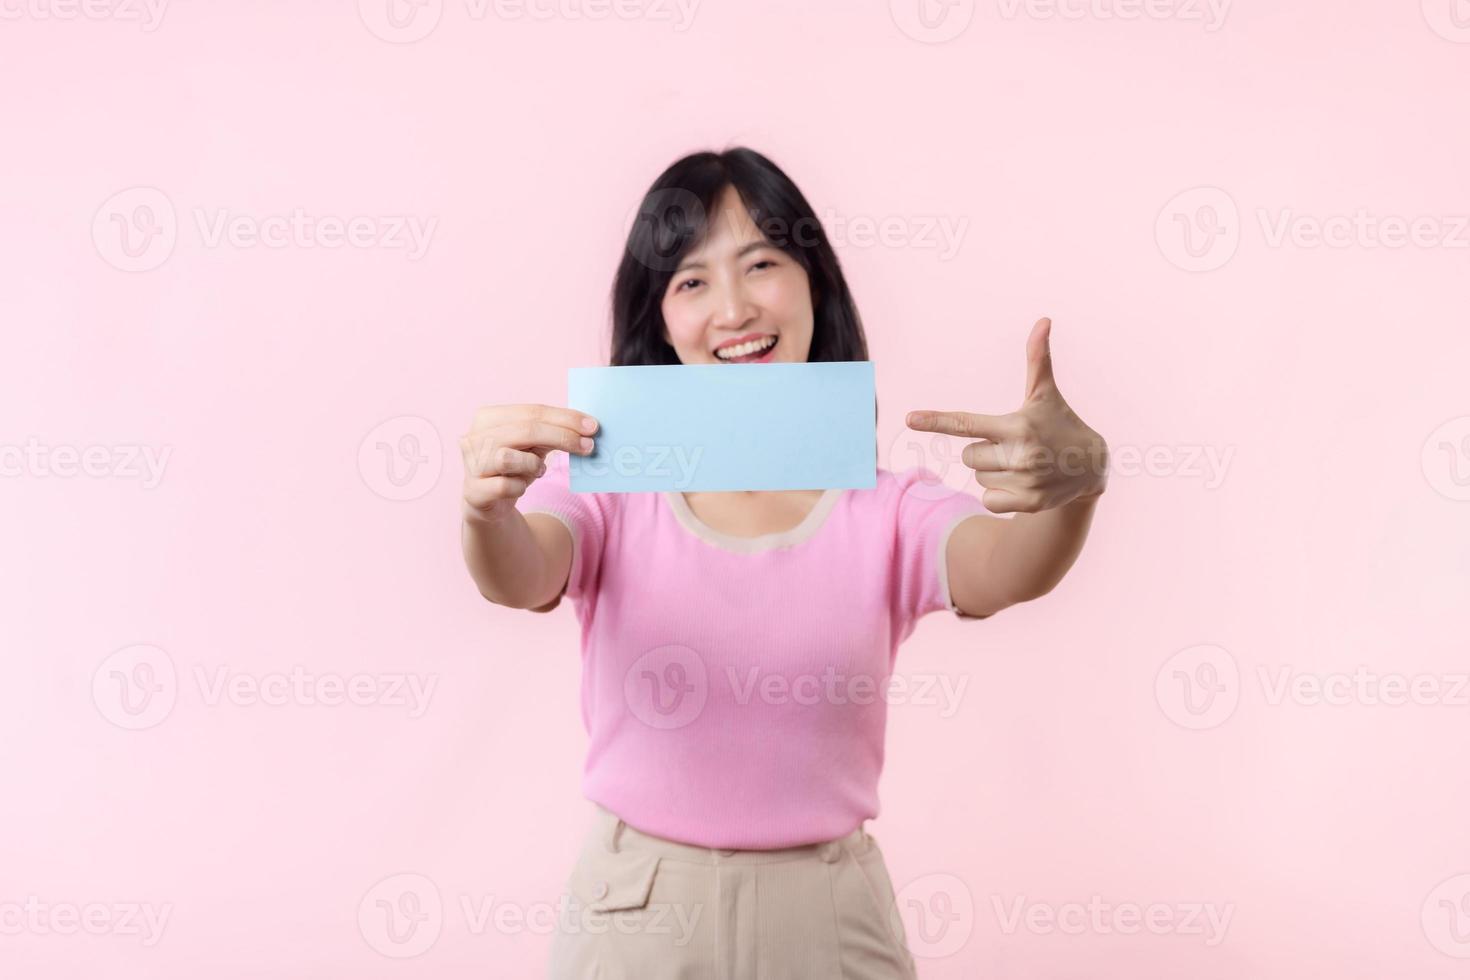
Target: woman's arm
pixel 994 563
pixel 1042 463
pixel 516 560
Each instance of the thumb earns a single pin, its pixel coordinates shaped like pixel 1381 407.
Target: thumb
pixel 1038 360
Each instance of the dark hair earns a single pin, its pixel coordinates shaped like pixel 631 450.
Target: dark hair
pixel 673 218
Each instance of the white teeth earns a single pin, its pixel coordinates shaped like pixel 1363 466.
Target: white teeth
pixel 741 350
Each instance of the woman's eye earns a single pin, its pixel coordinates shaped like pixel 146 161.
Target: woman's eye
pixel 685 283
pixel 762 262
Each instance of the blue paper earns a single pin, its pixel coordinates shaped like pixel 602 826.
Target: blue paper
pixel 704 427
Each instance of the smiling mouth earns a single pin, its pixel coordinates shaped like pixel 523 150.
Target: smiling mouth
pixel 748 352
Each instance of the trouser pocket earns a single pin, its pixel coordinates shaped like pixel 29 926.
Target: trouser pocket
pixel 884 924
pixel 626 915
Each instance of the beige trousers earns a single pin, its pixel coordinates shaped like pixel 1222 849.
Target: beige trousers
pixel 640 907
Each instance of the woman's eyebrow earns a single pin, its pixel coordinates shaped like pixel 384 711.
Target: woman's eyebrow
pixel 744 250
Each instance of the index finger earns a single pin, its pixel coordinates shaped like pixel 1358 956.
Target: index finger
pixel 541 437
pixel 567 418
pixel 993 427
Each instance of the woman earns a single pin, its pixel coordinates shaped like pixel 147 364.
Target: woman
pixel 729 638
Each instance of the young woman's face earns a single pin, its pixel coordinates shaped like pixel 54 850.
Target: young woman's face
pixel 736 291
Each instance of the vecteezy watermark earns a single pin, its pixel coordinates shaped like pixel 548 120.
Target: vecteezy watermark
pixel 654 225
pixel 941 456
pixel 1450 19
pixel 626 460
pixel 1200 686
pixel 932 21
pixel 937 21
pixel 1445 458
pixel 147 14
pixel 572 915
pixel 936 913
pixel 1101 918
pixel 1363 229
pixel 837 687
pixel 1199 230
pixel 404 914
pixel 401 458
pixel 669 686
pixel 124 461
pixel 137 687
pixel 1362 686
pixel 1210 13
pixel 407 21
pixel 222 685
pixel 1445 916
pixel 137 229
pixel 401 916
pixel 942 234
pixel 34 917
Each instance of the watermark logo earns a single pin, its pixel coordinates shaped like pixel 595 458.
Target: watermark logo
pixel 401 916
pixel 135 687
pixel 136 229
pixel 400 21
pixel 1199 229
pixel 401 459
pixel 1445 916
pixel 1445 459
pixel 667 687
pixel 1450 19
pixel 1198 687
pixel 938 915
pixel 932 21
pixel 938 457
pixel 661 224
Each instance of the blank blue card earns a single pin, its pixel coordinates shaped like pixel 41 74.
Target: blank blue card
pixel 702 427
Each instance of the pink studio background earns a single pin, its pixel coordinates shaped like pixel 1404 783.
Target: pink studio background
pixel 1288 418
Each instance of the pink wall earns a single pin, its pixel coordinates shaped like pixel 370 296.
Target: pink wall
pixel 1289 421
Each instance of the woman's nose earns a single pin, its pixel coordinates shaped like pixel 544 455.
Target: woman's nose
pixel 732 308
